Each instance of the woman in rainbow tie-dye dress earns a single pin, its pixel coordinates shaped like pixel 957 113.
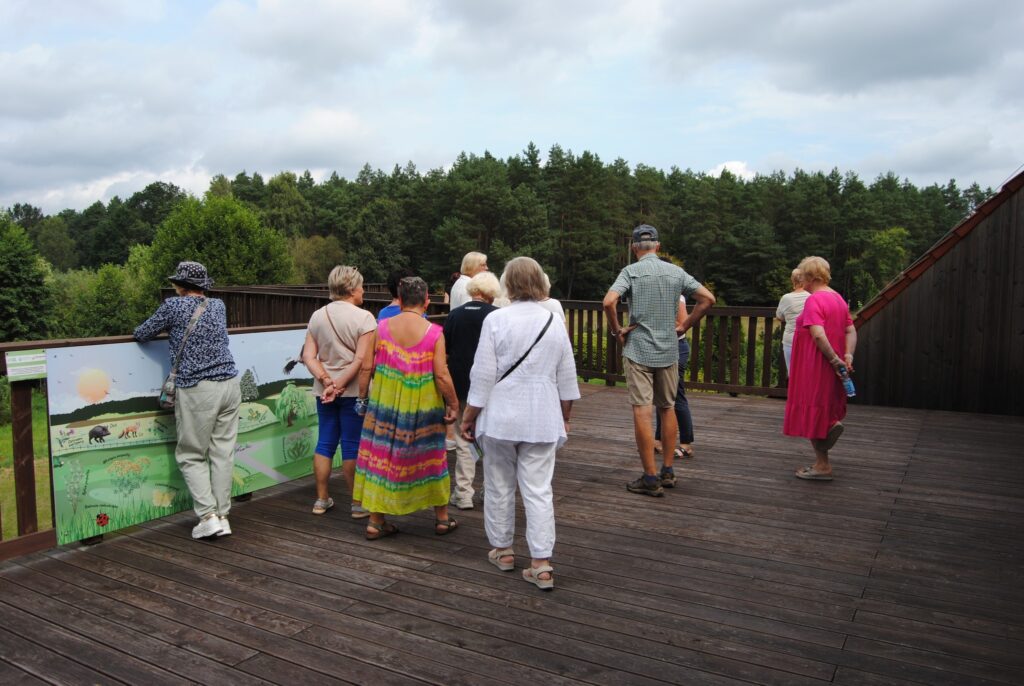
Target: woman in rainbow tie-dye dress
pixel 402 465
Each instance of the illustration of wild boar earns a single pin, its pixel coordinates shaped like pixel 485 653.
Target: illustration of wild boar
pixel 97 433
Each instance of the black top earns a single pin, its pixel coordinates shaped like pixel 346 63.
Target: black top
pixel 461 337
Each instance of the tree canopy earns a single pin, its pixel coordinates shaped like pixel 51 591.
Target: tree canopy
pixel 572 212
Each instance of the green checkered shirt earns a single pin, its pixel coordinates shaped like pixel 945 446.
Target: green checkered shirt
pixel 653 288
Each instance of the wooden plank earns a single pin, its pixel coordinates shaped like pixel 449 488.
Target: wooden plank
pixel 157 654
pixel 115 664
pixel 25 545
pixel 695 352
pixel 748 378
pixel 42 662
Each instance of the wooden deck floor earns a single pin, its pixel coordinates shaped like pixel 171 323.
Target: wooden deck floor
pixel 905 569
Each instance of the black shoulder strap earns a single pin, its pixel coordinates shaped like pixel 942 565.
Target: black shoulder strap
pixel 543 331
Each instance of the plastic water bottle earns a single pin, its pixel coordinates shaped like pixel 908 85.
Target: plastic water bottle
pixel 847 381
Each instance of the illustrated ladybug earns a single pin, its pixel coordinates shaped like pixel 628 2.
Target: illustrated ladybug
pixel 102 519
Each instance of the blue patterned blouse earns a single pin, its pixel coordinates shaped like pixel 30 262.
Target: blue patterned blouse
pixel 206 355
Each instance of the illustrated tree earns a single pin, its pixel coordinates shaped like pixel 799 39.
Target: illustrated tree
pixel 291 405
pixel 250 391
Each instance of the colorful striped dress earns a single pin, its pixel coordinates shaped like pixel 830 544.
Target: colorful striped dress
pixel 402 465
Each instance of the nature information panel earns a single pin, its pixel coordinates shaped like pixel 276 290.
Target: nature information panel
pixel 112 448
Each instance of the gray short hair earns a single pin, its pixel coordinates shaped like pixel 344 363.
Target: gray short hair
pixel 644 246
pixel 484 284
pixel 523 279
pixel 343 281
pixel 412 291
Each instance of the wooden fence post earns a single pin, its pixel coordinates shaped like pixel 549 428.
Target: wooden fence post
pixel 24 459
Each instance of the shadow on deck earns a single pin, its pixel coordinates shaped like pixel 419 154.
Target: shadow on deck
pixel 905 569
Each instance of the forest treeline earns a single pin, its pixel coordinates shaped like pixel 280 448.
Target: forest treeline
pixel 97 271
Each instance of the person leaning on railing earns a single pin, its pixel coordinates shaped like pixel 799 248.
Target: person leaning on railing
pixel 208 394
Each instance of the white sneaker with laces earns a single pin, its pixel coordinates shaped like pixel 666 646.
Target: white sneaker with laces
pixel 207 526
pixel 225 527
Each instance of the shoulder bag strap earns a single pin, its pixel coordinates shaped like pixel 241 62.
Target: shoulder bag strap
pixel 327 314
pixel 191 325
pixel 543 331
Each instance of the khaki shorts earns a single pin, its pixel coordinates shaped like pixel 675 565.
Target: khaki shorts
pixel 651 385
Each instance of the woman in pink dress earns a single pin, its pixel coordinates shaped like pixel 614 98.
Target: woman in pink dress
pixel 824 341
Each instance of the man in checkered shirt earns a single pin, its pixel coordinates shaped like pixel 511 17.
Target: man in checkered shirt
pixel 650 347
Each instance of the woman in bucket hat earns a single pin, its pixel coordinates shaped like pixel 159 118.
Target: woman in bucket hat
pixel 208 393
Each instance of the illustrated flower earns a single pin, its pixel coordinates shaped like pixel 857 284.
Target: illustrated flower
pixel 102 519
pixel 163 497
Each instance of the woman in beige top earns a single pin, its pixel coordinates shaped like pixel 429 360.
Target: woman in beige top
pixel 339 338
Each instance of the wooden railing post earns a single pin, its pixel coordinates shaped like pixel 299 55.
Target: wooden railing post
pixel 24 459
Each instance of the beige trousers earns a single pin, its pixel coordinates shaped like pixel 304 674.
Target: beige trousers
pixel 207 419
pixel 465 466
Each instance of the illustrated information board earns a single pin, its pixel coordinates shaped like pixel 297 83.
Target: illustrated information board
pixel 112 449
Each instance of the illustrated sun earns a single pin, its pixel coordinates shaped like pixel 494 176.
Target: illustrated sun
pixel 93 385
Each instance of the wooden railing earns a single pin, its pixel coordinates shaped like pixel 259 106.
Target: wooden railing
pixel 733 350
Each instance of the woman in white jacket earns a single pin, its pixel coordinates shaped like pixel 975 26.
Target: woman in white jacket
pixel 521 390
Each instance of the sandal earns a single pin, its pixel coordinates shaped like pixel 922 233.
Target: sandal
pixel 321 506
pixel 495 559
pixel 682 453
pixel 532 575
pixel 449 525
pixel 380 530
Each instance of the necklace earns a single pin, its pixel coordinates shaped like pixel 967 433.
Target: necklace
pixel 412 311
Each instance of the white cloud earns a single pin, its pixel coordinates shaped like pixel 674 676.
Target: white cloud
pixel 735 167
pixel 106 94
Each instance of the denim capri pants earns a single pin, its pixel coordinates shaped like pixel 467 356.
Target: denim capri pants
pixel 339 423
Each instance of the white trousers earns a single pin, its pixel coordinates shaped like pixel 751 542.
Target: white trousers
pixel 465 465
pixel 531 466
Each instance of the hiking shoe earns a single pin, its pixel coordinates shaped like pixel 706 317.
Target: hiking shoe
pixel 668 477
pixel 321 506
pixel 646 485
pixel 207 526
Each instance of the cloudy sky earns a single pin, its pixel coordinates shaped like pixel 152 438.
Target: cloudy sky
pixel 101 97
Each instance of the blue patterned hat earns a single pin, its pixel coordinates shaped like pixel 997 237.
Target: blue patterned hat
pixel 192 274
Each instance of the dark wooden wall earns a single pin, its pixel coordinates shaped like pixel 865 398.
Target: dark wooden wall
pixel 953 338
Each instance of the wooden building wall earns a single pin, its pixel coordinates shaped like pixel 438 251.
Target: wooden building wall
pixel 953 337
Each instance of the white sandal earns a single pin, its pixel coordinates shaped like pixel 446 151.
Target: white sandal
pixel 532 575
pixel 495 559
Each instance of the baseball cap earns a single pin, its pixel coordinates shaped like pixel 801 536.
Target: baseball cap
pixel 645 232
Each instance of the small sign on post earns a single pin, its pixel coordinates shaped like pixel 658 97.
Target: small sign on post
pixel 24 365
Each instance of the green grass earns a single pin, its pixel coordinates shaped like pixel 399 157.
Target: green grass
pixel 40 440
pixel 41 448
pixel 8 509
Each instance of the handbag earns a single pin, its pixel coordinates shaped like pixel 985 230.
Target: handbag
pixel 169 389
pixel 535 342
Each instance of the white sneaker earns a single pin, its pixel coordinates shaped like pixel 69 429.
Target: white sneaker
pixel 225 528
pixel 207 526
